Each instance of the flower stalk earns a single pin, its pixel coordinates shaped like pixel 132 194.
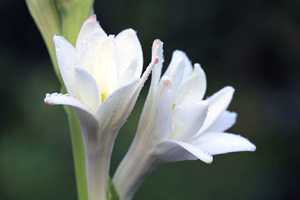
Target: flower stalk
pixel 78 153
pixel 73 14
pixel 48 20
pixel 64 18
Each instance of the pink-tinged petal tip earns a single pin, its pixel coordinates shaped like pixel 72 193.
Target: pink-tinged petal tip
pixel 166 80
pixel 156 44
pixel 47 102
pixel 92 18
pixel 157 41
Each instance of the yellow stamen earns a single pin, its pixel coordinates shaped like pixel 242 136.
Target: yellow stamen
pixel 103 96
pixel 173 106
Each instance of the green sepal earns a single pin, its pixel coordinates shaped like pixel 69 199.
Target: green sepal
pixel 73 14
pixel 112 192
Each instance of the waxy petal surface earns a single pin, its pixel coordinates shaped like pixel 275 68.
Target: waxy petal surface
pixel 65 99
pixel 218 103
pixel 129 73
pixel 193 88
pixel 104 70
pixel 175 151
pixel 162 113
pixel 89 91
pixel 114 106
pixel 220 143
pixel 88 27
pixel 187 121
pixel 225 121
pixel 66 59
pixel 128 47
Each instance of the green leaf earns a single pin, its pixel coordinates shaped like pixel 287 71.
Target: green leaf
pixel 112 192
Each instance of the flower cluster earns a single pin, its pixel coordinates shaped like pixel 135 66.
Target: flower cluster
pixel 102 75
pixel 177 125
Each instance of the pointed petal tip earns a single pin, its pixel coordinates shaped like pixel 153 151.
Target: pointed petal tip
pixel 48 97
pixel 92 18
pixel 208 161
pixel 229 89
pixel 157 49
pixel 47 102
pixel 198 66
pixel 56 38
pixel 166 80
pixel 203 103
pixel 157 44
pixel 252 147
pixel 131 31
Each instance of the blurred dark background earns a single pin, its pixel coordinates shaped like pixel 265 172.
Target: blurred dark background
pixel 252 45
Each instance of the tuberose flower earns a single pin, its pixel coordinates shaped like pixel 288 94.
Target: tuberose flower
pixel 102 77
pixel 177 125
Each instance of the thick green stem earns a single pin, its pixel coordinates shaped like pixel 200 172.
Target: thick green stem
pixel 78 153
pixel 73 14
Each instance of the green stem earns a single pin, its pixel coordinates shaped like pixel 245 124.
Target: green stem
pixel 78 153
pixel 73 14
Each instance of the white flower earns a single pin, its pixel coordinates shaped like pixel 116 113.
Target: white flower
pixel 102 77
pixel 176 124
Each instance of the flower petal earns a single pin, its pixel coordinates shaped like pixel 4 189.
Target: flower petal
pixel 188 121
pixel 175 72
pixel 88 27
pixel 193 88
pixel 220 143
pixel 157 51
pixel 129 73
pixel 89 48
pixel 226 120
pixel 161 125
pixel 65 99
pixel 188 68
pixel 89 91
pixel 66 59
pixel 156 64
pixel 114 106
pixel 104 67
pixel 128 48
pixel 217 104
pixel 122 100
pixel 175 151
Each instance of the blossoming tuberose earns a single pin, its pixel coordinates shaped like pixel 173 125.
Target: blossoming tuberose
pixel 176 124
pixel 102 77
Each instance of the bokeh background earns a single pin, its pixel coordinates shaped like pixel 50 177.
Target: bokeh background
pixel 253 46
